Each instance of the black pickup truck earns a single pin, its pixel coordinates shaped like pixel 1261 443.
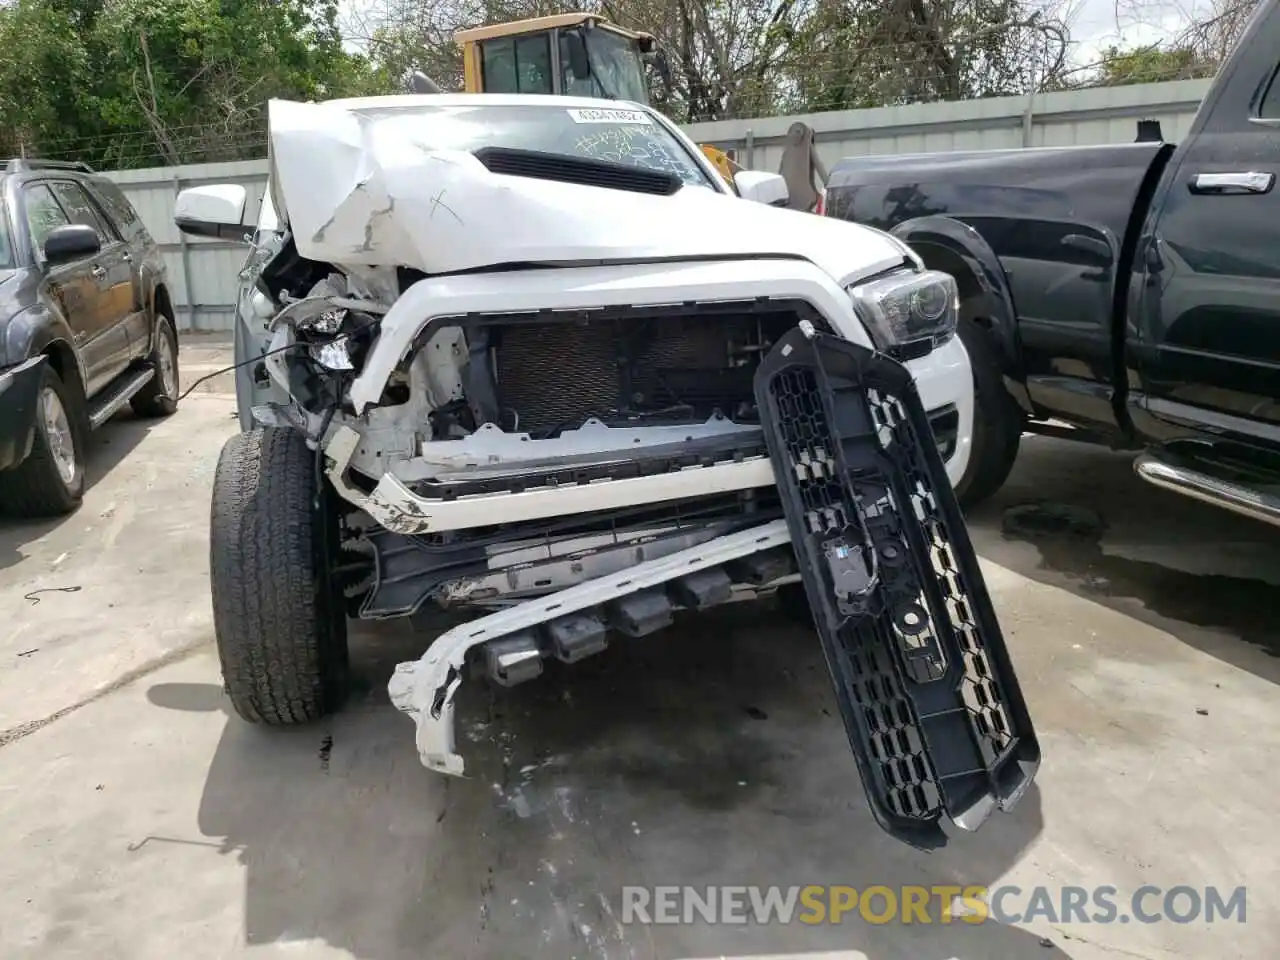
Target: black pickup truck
pixel 1125 294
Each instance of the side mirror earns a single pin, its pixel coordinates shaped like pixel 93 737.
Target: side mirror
pixel 576 47
pixel 71 242
pixel 213 211
pixel 762 187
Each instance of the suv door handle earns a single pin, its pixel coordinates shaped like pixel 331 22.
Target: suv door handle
pixel 99 273
pixel 126 257
pixel 1251 181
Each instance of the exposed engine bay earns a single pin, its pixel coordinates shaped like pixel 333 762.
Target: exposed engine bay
pixel 485 410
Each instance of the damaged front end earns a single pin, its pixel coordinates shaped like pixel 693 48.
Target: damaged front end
pixel 578 447
pixel 581 473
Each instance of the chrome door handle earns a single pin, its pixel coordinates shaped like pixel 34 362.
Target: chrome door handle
pixel 1251 181
pixel 126 258
pixel 99 273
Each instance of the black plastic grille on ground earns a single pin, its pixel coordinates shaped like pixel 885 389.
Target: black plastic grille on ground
pixel 928 696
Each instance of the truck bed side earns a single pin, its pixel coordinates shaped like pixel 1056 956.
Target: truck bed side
pixel 1055 226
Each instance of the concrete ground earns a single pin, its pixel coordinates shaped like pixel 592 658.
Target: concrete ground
pixel 142 821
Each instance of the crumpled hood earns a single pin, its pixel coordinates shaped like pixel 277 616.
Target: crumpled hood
pixel 365 189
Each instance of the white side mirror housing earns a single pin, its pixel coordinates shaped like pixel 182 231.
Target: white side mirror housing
pixel 762 187
pixel 213 211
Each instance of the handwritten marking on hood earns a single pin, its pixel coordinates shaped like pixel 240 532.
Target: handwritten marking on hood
pixel 437 203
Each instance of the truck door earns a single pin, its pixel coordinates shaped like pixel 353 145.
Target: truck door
pixel 121 288
pixel 1204 330
pixel 77 289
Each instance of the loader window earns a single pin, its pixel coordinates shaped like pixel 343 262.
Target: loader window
pixel 616 66
pixel 517 64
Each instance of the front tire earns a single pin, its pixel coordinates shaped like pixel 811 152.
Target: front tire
pixel 50 482
pixel 997 420
pixel 279 621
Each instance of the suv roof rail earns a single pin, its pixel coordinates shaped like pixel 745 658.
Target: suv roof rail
pixel 18 164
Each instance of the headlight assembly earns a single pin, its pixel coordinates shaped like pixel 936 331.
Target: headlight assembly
pixel 906 307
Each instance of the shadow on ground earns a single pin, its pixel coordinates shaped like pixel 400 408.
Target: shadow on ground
pixel 107 447
pixel 709 754
pixel 1076 517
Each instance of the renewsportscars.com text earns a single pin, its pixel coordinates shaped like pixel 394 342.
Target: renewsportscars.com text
pixel 819 904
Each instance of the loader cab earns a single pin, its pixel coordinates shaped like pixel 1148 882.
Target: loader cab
pixel 575 54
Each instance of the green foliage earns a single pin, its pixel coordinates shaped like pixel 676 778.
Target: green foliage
pixel 150 82
pixel 1150 64
pixel 744 58
pixel 154 82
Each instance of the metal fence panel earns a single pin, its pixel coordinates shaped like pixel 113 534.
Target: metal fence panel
pixel 202 272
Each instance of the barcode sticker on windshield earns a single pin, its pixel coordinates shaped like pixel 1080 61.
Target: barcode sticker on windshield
pixel 608 115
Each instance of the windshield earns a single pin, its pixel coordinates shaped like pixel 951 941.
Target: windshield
pixel 614 134
pixel 617 72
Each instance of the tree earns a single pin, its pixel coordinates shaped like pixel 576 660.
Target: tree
pixel 742 58
pixel 1149 64
pixel 911 51
pixel 143 82
pixel 1194 51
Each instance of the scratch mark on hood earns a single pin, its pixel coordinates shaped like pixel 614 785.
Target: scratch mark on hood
pixel 437 202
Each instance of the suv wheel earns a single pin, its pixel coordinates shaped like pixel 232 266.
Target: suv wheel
pixel 159 398
pixel 278 616
pixel 50 482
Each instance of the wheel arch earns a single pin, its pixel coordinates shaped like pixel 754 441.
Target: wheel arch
pixel 65 362
pixel 954 247
pixel 162 306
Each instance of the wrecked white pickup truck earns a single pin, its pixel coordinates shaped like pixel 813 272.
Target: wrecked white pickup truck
pixel 532 357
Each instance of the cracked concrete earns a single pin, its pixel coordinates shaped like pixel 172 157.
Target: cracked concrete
pixel 142 821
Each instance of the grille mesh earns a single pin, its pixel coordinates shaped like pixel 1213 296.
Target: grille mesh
pixel 557 374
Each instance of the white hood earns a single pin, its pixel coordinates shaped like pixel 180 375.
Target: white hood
pixel 356 188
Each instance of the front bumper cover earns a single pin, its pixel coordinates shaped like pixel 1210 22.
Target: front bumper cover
pixel 425 688
pixel 19 400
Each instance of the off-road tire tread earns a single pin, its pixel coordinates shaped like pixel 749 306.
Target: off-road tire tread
pixel 150 401
pixel 281 639
pixel 33 489
pixel 997 420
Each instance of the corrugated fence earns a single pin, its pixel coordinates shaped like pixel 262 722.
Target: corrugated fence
pixel 203 272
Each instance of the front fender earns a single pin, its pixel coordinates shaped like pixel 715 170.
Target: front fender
pixel 31 331
pixel 965 243
pixel 19 396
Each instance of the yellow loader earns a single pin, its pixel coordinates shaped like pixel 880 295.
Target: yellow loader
pixel 578 54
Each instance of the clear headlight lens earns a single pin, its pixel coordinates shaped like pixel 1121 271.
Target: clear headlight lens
pixel 333 355
pixel 906 307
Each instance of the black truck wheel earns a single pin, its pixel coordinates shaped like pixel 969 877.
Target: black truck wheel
pixel 50 481
pixel 997 419
pixel 159 398
pixel 280 626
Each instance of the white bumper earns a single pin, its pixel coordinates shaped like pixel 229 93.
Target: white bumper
pixel 943 378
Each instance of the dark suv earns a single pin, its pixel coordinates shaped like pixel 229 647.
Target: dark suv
pixel 86 326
